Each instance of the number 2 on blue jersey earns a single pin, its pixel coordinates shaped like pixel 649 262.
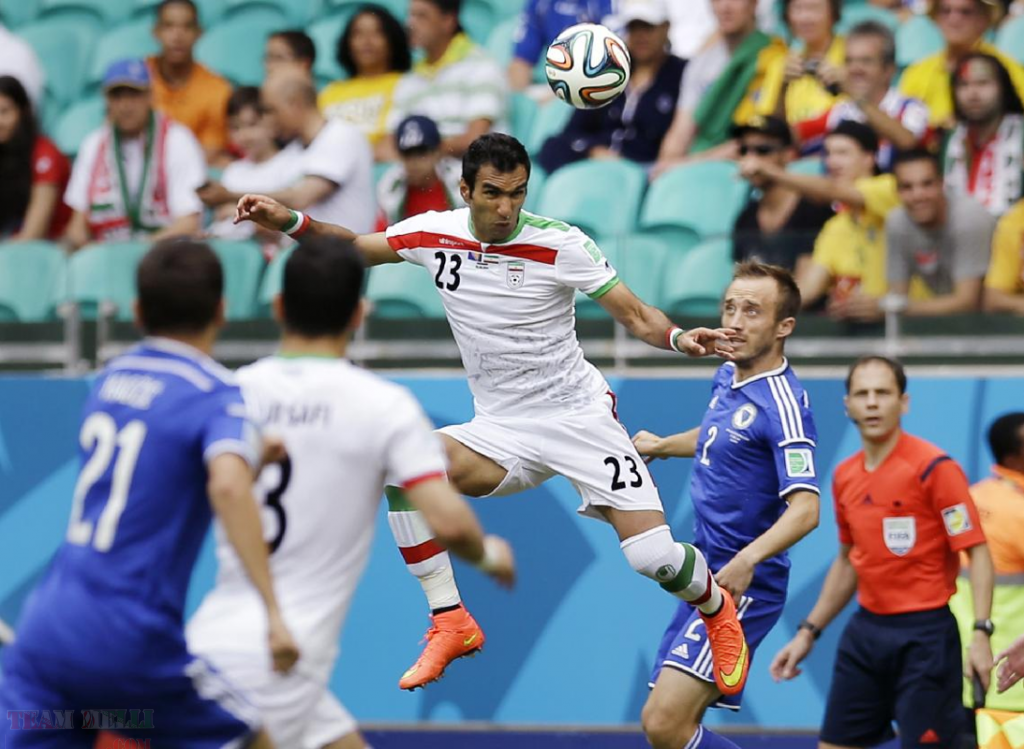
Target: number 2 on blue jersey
pixel 712 436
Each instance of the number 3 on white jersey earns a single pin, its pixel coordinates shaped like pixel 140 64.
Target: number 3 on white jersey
pixel 100 430
pixel 712 435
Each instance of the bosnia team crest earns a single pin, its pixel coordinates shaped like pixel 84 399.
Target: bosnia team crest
pixel 515 274
pixel 744 416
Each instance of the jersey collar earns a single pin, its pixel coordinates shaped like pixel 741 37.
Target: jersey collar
pixel 177 348
pixel 770 373
pixel 515 232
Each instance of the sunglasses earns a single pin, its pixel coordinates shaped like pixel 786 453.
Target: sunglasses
pixel 761 150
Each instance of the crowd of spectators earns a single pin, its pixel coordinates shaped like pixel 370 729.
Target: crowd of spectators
pixel 883 189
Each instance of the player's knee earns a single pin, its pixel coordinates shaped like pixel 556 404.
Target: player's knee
pixel 654 554
pixel 666 728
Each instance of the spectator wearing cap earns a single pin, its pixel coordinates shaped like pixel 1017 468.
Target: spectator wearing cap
pixel 867 95
pixel 848 263
pixel 184 90
pixel 633 125
pixel 778 225
pixel 539 23
pixel 1004 282
pixel 983 156
pixel 963 24
pixel 720 84
pixel 292 49
pixel 335 180
pixel 19 60
pixel 136 176
pixel 456 84
pixel 936 242
pixel 423 180
pixel 33 172
pixel 374 52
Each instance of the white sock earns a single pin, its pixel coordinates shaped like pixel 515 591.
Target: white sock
pixel 679 568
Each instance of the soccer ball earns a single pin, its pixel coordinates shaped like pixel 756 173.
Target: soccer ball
pixel 587 66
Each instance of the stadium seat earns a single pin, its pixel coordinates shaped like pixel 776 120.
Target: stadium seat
pixel 270 10
pixel 77 121
pixel 917 38
pixel 403 290
pixel 504 9
pixel 535 189
pixel 1010 38
pixel 551 118
pixel 98 12
pixel 694 284
pixel 380 168
pixel 523 113
pixel 31 280
pixel 601 197
pixel 210 11
pixel 235 48
pixel 16 14
pixel 477 18
pixel 133 39
pixel 693 202
pixel 399 8
pixel 812 165
pixel 641 262
pixel 273 277
pixel 854 14
pixel 62 51
pixel 243 268
pixel 100 273
pixel 501 42
pixel 325 34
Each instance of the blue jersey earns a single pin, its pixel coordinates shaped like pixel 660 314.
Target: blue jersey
pixel 543 20
pixel 756 446
pixel 140 510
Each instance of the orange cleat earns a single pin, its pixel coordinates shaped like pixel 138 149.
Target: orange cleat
pixel 728 647
pixel 453 634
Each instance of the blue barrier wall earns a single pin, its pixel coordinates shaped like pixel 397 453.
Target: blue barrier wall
pixel 575 641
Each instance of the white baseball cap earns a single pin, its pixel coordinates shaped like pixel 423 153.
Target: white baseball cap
pixel 653 12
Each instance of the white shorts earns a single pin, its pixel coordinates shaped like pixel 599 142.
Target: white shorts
pixel 298 711
pixel 588 446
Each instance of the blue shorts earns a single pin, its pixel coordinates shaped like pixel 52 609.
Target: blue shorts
pixel 901 667
pixel 179 702
pixel 685 646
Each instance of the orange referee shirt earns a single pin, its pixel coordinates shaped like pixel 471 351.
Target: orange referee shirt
pixel 905 522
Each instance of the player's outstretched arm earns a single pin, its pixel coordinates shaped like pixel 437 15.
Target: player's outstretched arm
pixel 273 216
pixel 682 445
pixel 230 489
pixel 979 659
pixel 651 326
pixel 840 585
pixel 456 527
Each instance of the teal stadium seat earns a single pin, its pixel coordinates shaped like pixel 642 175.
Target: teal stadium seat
pixel 95 13
pixel 917 38
pixel 861 12
pixel 325 34
pixel 551 119
pixel 601 197
pixel 523 114
pixel 693 202
pixel 399 8
pixel 31 281
pixel 273 278
pixel 1010 38
pixel 535 189
pixel 133 39
pixel 17 13
pixel 278 11
pixel 403 291
pixel 100 273
pixel 504 9
pixel 77 121
pixel 210 11
pixel 641 261
pixel 501 42
pixel 243 269
pixel 812 165
pixel 694 284
pixel 61 51
pixel 234 48
pixel 477 18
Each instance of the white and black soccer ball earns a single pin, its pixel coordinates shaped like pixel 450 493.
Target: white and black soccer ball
pixel 587 66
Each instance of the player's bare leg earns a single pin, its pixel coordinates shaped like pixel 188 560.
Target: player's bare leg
pixel 674 709
pixel 454 632
pixel 681 569
pixel 352 740
pixel 261 741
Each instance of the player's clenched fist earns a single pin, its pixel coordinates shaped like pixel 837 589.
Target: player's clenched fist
pixel 283 649
pixel 647 443
pixel 786 665
pixel 263 211
pixel 498 561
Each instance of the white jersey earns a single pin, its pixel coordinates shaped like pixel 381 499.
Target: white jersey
pixel 346 432
pixel 512 307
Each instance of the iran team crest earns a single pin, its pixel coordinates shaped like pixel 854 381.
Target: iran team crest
pixel 900 535
pixel 515 274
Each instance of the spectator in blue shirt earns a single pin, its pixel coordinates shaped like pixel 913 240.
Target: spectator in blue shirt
pixel 541 21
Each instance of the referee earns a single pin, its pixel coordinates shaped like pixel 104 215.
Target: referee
pixel 904 512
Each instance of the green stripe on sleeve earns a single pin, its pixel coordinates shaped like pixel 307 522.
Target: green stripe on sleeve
pixel 397 501
pixel 604 289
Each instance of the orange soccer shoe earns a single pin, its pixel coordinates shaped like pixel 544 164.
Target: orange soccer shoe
pixel 453 634
pixel 728 647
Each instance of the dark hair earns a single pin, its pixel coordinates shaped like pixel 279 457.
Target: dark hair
pixel 1004 436
pixel 501 151
pixel 16 156
pixel 244 97
pixel 400 58
pixel 913 155
pixel 180 283
pixel 451 7
pixel 835 6
pixel 893 364
pixel 323 281
pixel 1011 103
pixel 299 42
pixel 878 31
pixel 168 3
pixel 789 293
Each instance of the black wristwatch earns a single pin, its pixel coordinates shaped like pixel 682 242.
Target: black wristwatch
pixel 985 625
pixel 814 630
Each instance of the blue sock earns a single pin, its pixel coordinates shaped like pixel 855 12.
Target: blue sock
pixel 705 739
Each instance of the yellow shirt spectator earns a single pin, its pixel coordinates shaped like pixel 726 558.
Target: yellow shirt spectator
pixel 201 104
pixel 1006 268
pixel 806 97
pixel 364 102
pixel 851 245
pixel 929 81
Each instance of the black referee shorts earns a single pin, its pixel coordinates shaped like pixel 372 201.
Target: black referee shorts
pixel 901 667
